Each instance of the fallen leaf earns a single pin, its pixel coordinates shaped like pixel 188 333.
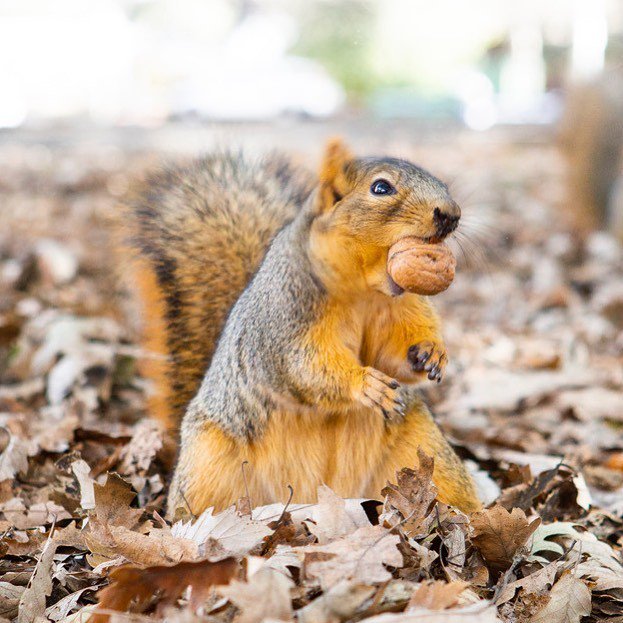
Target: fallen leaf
pixel 112 503
pixel 10 596
pixel 498 535
pixel 266 595
pixel 146 442
pixel 32 602
pixel 436 595
pixel 533 583
pixel 540 540
pixel 64 606
pixel 569 601
pixel 412 497
pixel 235 534
pixel 331 519
pixel 339 603
pixel 360 557
pixel 133 589
pixel 82 472
pixel 481 612
pixel 14 458
pixel 146 550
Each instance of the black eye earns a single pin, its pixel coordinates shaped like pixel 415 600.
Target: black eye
pixel 382 187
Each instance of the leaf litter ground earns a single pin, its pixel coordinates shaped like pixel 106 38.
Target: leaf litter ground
pixel 533 400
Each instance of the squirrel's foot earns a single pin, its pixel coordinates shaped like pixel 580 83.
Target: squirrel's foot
pixel 381 393
pixel 429 357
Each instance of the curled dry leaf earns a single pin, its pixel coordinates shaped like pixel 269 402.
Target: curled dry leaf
pixel 138 455
pixel 64 606
pixel 535 582
pixel 499 535
pixel 87 491
pixel 14 457
pixel 569 601
pixel 146 550
pixel 133 589
pixel 412 497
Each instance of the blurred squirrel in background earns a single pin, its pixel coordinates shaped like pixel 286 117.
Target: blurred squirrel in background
pixel 591 137
pixel 286 344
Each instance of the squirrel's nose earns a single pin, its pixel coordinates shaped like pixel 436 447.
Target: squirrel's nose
pixel 446 219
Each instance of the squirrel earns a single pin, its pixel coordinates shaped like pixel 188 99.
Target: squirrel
pixel 289 356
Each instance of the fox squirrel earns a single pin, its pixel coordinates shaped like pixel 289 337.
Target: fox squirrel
pixel 286 342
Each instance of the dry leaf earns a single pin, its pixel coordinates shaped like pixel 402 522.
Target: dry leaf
pixel 235 534
pixel 64 606
pixel 32 602
pixel 359 557
pixel 436 595
pixel 82 473
pixel 339 603
pixel 10 596
pixel 266 595
pixel 133 588
pixel 569 601
pixel 498 535
pixel 535 582
pixel 112 503
pixel 481 612
pixel 145 444
pixel 14 458
pixel 70 536
pixel 147 550
pixel 331 520
pixel 412 497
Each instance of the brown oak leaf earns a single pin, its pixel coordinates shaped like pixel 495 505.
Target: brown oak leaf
pixel 112 503
pixel 498 535
pixel 412 497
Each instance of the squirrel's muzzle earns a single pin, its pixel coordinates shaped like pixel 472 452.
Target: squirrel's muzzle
pixel 446 219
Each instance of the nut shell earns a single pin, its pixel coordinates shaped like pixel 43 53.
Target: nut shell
pixel 420 267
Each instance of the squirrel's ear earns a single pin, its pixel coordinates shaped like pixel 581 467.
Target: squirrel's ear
pixel 333 180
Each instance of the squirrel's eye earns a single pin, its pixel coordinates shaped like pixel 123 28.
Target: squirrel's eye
pixel 382 187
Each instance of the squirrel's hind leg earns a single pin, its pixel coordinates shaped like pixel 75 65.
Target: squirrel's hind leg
pixel 209 472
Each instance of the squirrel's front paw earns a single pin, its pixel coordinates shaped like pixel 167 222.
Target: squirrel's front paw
pixel 381 393
pixel 428 357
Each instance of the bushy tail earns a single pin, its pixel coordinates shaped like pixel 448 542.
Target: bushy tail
pixel 200 233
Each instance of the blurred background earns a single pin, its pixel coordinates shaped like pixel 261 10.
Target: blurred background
pixel 184 75
pixel 147 62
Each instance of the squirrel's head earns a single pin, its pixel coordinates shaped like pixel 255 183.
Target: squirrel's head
pixel 374 202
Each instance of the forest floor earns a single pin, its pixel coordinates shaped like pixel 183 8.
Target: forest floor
pixel 532 399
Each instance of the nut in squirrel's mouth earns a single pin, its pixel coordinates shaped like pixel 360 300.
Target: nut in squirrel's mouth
pixel 423 266
pixel 394 288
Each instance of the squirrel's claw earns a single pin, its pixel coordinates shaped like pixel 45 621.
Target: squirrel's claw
pixel 428 357
pixel 380 392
